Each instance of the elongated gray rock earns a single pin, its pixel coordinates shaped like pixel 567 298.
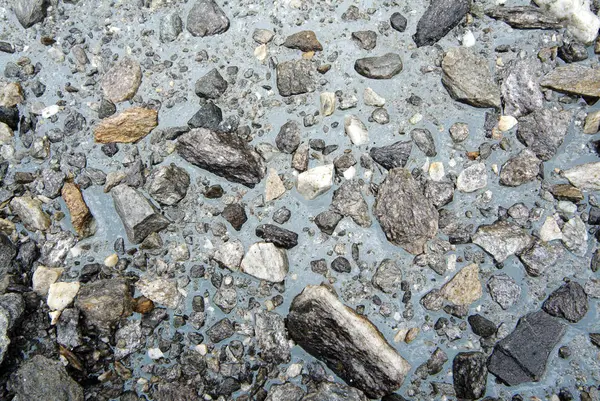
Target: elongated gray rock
pixel 525 17
pixel 584 176
pixel 206 18
pixel 406 216
pixel 440 18
pixel 502 239
pixel 224 154
pixel 348 343
pixel 138 215
pixel 30 12
pixel 379 67
pixel 520 87
pixel 574 79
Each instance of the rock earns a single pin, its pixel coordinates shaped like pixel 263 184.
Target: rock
pixel 348 343
pixel 30 212
pixel 349 201
pixel 522 355
pixel 316 181
pixel 392 156
pixel 464 288
pixel 30 12
pixel 230 255
pixel 128 126
pixel 128 339
pixel 81 217
pixel 289 137
pixel 520 169
pixel 274 187
pixel 305 41
pixel 211 85
pixel 388 276
pixel 424 141
pixel 160 291
pixel 581 22
pixel 584 176
pixel 40 378
pixel 468 79
pixel 12 307
pixel 439 193
pixel 206 18
pixel 263 36
pixel 52 182
pixel 566 192
pixel 60 295
pixel 569 302
pixel 327 221
pixel 481 326
pixel 122 81
pixel 469 373
pixel 209 116
pixel 68 329
pixel 272 338
pixel 543 131
pixel 574 79
pixel 440 18
pixel 285 392
pixel 295 77
pixel 10 117
pixel 520 88
pixel 168 184
pixel 525 17
pixel 279 236
pixel 104 302
pixel 502 239
pixel 235 215
pixel 504 290
pixel 8 251
pixel 170 27
pixel 220 331
pixel 356 130
pixel 56 247
pixel 373 99
pixel 575 236
pixel 43 277
pixel 572 52
pixel 11 94
pixel 407 218
pixel 540 257
pixel 224 154
pixel 282 215
pixel 472 178
pixel 380 67
pixel 266 262
pixel 550 230
pixel 341 265
pixel 326 391
pixel 592 123
pixel 398 22
pixel 300 157
pixel 366 40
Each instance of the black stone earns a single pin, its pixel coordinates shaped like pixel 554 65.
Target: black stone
pixel 235 215
pixel 110 149
pixel 288 138
pixel 106 109
pixel 398 22
pixel 211 86
pixel 392 156
pixel 327 221
pixel 10 117
pixel 220 331
pixel 424 141
pixel 440 18
pixel 279 236
pixel 470 375
pixel 481 326
pixel 573 52
pixel 209 116
pixel 569 302
pixel 341 265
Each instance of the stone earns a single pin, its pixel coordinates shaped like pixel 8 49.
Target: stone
pixel 543 131
pixel 550 230
pixel 520 169
pixel 327 221
pixel 211 86
pixel 30 12
pixel 220 331
pixel 279 236
pixel 392 156
pixel 285 392
pixel 575 236
pixel 230 255
pixel 584 176
pixel 440 18
pixel 341 265
pixel 122 81
pixel 168 184
pixel 274 187
pixel 581 22
pixel 43 277
pixel 379 67
pixel 406 216
pixel 316 181
pixel 206 18
pixel 398 22
pixel 525 17
pixel 300 157
pixel 30 212
pixel 208 116
pixel 464 288
pixel 574 79
pixel 569 302
pixel 424 141
pixel 327 391
pixel 140 217
pixel 327 103
pixel 56 247
pixel 439 193
pixel 592 123
pixel 504 290
pixel 388 276
pixel 266 262
pixel 520 88
pixel 572 52
pixel 235 215
pixel 61 294
pixel 371 98
pixel 128 339
pixel 540 257
pixel 348 343
pixel 81 217
pixel 10 117
pixel 11 94
pixel 566 192
pixel 459 132
pixel 104 302
pixel 295 77
pixel 52 182
pixel 224 154
pixel 469 373
pixel 128 126
pixel 366 40
pixel 282 215
pixel 356 130
pixel 522 355
pixel 40 378
pixel 472 178
pixel 68 329
pixel 262 36
pixel 305 41
pixel 160 291
pixel 502 239
pixel 482 326
pixel 349 201
pixel 289 137
pixel 468 79
pixel 170 27
pixel 272 338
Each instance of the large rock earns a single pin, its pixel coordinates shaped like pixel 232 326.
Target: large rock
pixel 206 18
pixel 127 127
pixel 468 78
pixel 392 156
pixel 388 276
pixel 30 212
pixel 520 87
pixel 574 79
pixel 168 184
pixel 584 176
pixel 104 302
pixel 12 307
pixel 349 202
pixel 406 216
pixel 543 131
pixel 348 343
pixel 502 239
pixel 30 12
pixel 520 169
pixel 439 19
pixel 525 17
pixel 140 218
pixel 472 178
pixel 122 81
pixel 224 154
pixel 170 27
pixel 266 262
pixel 272 339
pixel 160 290
pixel 569 301
pixel 81 217
pixel 295 77
pixel 464 288
pixel 522 355
pixel 379 67
pixel 469 374
pixel 540 257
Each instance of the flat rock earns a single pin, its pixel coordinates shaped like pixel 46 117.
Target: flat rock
pixel 274 187
pixel 366 40
pixel 348 201
pixel 128 126
pixel 279 236
pixel 502 239
pixel 81 217
pixel 525 17
pixel 211 86
pixel 440 18
pixel 122 81
pixel 30 12
pixel 327 221
pixel 464 288
pixel 388 276
pixel 348 343
pixel 266 262
pixel 398 22
pixel 379 67
pixel 170 27
pixel 504 290
pixel 43 277
pixel 520 87
pixel 569 302
pixel 224 154
pixel 104 302
pixel 574 79
pixel 295 77
pixel 540 257
pixel 584 176
pixel 206 18
pixel 272 338
pixel 168 184
pixel 392 156
pixel 305 41
pixel 472 178
pixel 406 216
pixel 316 181
pixel 160 290
pixel 30 212
pixel 520 169
pixel 424 141
pixel 543 131
pixel 469 373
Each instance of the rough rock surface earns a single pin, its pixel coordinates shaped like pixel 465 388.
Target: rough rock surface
pixel 379 67
pixel 520 169
pixel 128 126
pixel 305 41
pixel 569 302
pixel 543 131
pixel 295 77
pixel 520 88
pixel 502 239
pixel 122 81
pixel 266 262
pixel 81 217
pixel 349 201
pixel 272 338
pixel 525 17
pixel 168 184
pixel 574 79
pixel 439 19
pixel 392 156
pixel 104 302
pixel 206 18
pixel 469 373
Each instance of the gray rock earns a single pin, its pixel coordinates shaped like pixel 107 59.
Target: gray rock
pixel 392 156
pixel 30 212
pixel 398 22
pixel 469 373
pixel 30 12
pixel 572 52
pixel 279 236
pixel 440 18
pixel 459 132
pixel 235 214
pixel 525 17
pixel 543 131
pixel 8 251
pixel 224 154
pixel 439 193
pixel 282 215
pixel 522 355
pixel 122 81
pixel 388 276
pixel 211 86
pixel 285 392
pixel 230 254
pixel 569 301
pixel 55 249
pixel 4 335
pixel 575 236
pixel 288 138
pixel 168 184
pixel 482 326
pixel 504 290
pixel 305 41
pixel 520 169
pixel 51 182
pixel 472 178
pixel 206 18
pixel 68 329
pixel 406 216
pixel 341 265
pixel 12 307
pixel 272 338
pixel 327 221
pixel 104 302
pixel 140 218
pixel 265 261
pixel 424 141
pixel 468 79
pixel 502 239
pixel 349 202
pixel 348 343
pixel 380 67
pixel 520 87
pixel 539 257
pixel 170 27
pixel 220 331
pixel 262 36
pixel 326 391
pixel 366 40
pixel 574 79
pixel 295 77
pixel 208 116
pixel 128 339
pixel 584 176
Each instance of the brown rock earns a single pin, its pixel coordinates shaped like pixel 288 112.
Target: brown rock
pixel 592 123
pixel 127 127
pixel 305 40
pixel 81 217
pixel 11 95
pixel 567 192
pixel 465 287
pixel 143 305
pixel 574 79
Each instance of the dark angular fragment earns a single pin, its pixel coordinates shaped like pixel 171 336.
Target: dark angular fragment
pixel 209 116
pixel 319 266
pixel 327 221
pixel 543 131
pixel 392 156
pixel 206 18
pixel 341 265
pixel 235 215
pixel 424 141
pixel 470 375
pixel 305 41
pixel 30 12
pixel 279 236
pixel 573 52
pixel 282 215
pixel 295 77
pixel 220 331
pixel 525 17
pixel 288 138
pixel 440 18
pixel 10 117
pixel 6 47
pixel 398 22
pixel 211 86
pixel 366 40
pixel 569 301
pixel 481 326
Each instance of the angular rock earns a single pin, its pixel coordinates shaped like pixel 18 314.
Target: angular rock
pixel 469 373
pixel 392 156
pixel 327 391
pixel 263 36
pixel 206 18
pixel 574 79
pixel 543 131
pixel 504 290
pixel 468 79
pixel 348 343
pixel 525 17
pixel 288 138
pixel 81 217
pixel 235 215
pixel 30 12
pixel 316 181
pixel 502 239
pixel 300 157
pixel 464 288
pixel 279 236
pixel 160 290
pixel 388 276
pixel 104 302
pixel 584 176
pixel 349 201
pixel 440 18
pixel 305 41
pixel 128 339
pixel 128 126
pixel 327 103
pixel 356 130
pixel 140 218
pixel 424 141
pixel 575 236
pixel 168 184
pixel 60 295
pixel 482 326
pixel 30 212
pixel 539 257
pixel 68 329
pixel 406 216
pixel 521 169
pixel 209 116
pixel 472 178
pixel 224 154
pixel 327 221
pixel 341 265
pixel 439 193
pixel 265 262
pixel 592 123
pixel 572 52
pixel 271 336
pixel 43 277
pixel 230 255
pixel 170 27
pixel 380 67
pixel 520 87
pixel 274 187
pixel 220 331
pixel 211 86
pixel 566 192
pixel 122 81
pixel 295 77
pixel 285 392
pixel 366 40
pixel 398 22
pixel 569 302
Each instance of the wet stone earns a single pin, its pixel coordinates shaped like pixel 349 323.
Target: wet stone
pixel 209 116
pixel 305 41
pixel 424 141
pixel 265 261
pixel 220 331
pixel 279 236
pixel 482 326
pixel 520 169
pixel 379 67
pixel 170 27
pixel 521 93
pixel 295 77
pixel 398 22
pixel 349 201
pixel 211 86
pixel 271 336
pixel 469 373
pixel 504 290
pixel 502 239
pixel 525 17
pixel 539 257
pixel 574 79
pixel 104 302
pixel 388 276
pixel 122 81
pixel 568 302
pixel 366 40
pixel 235 215
pixel 440 18
pixel 543 131
pixel 30 12
pixel 341 265
pixel 289 137
pixel 206 18
pixel 168 184
pixel 392 156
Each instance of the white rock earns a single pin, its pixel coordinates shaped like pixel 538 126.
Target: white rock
pixel 60 295
pixel 230 254
pixel 293 370
pixel 43 278
pixel 160 291
pixel 315 181
pixel 356 130
pixel 266 262
pixel 468 39
pixel 506 123
pixel 50 111
pixel 575 236
pixel 349 173
pixel 6 134
pixel 472 178
pixel 550 230
pixel 111 260
pixel 373 99
pixel 261 53
pixel 585 176
pixel 436 171
pixel 155 353
pixel 327 103
pixel 274 187
pixel 566 207
pixel 582 23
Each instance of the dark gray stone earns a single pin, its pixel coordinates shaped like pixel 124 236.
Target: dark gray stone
pixel 539 257
pixel 482 326
pixel 341 265
pixel 569 301
pixel 327 221
pixel 440 18
pixel 398 22
pixel 206 18
pixel 282 215
pixel 388 276
pixel 349 202
pixel 380 67
pixel 470 375
pixel 295 77
pixel 106 109
pixel 288 138
pixel 440 193
pixel 220 331
pixel 68 329
pixel 279 236
pixel 525 17
pixel 10 117
pixel 30 12
pixel 520 169
pixel 327 391
pixel 285 392
pixel 392 156
pixel 305 41
pixel 8 251
pixel 104 302
pixel 235 215
pixel 211 86
pixel 168 184
pixel 170 27
pixel 209 116
pixel 573 52
pixel 543 131
pixel 366 40
pixel 272 338
pixel 424 141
